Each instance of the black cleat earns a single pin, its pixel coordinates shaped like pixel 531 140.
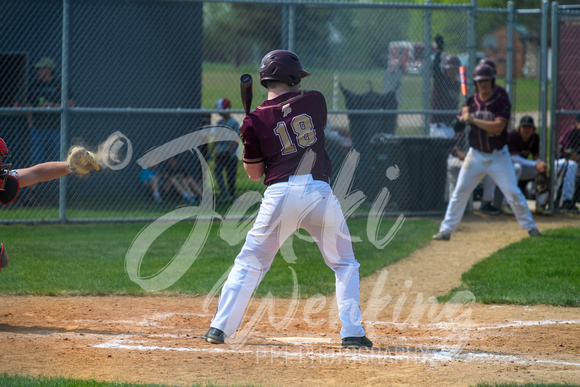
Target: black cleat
pixel 356 342
pixel 442 236
pixel 214 336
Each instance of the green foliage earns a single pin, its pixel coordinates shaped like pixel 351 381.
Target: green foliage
pixel 540 270
pixel 89 259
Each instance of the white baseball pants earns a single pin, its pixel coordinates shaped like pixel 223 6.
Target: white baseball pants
pixel 299 203
pixel 498 165
pixel 568 185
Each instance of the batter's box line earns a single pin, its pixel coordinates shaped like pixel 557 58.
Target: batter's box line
pixel 423 355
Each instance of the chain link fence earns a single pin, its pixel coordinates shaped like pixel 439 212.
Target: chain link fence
pixel 565 102
pixel 128 78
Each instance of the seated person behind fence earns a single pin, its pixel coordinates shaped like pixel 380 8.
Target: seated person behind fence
pixel 569 144
pixel 152 179
pixel 445 91
pixel 182 180
pixel 226 160
pixel 522 143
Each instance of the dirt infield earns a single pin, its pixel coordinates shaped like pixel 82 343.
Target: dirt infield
pixel 418 342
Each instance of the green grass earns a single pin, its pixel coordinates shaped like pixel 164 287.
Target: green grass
pixel 89 259
pixel 526 385
pixel 540 270
pixel 221 80
pixel 31 381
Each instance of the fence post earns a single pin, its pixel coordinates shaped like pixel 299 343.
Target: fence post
pixel 291 26
pixel 64 115
pixel 427 67
pixel 471 43
pixel 554 105
pixel 509 71
pixel 544 79
pixel 284 27
pixel 287 27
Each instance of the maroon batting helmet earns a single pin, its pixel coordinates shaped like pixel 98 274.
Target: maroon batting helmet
pixel 282 66
pixel 488 62
pixel 483 72
pixel 451 62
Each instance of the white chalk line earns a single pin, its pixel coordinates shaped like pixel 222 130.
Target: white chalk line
pixel 443 354
pixel 473 326
pixel 435 353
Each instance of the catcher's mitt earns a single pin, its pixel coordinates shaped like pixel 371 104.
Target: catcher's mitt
pixel 82 161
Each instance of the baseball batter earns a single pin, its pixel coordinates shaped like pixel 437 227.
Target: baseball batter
pixel 488 113
pixel 284 140
pixel 79 160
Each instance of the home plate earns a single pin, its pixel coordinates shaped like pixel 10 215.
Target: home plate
pixel 301 340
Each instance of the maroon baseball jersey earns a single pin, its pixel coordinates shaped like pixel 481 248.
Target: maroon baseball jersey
pixel 498 105
pixel 518 146
pixel 570 140
pixel 282 129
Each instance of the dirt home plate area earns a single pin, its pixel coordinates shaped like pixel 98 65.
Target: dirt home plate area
pixel 156 339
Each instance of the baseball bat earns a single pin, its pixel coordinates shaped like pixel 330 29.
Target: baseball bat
pixel 246 92
pixel 463 81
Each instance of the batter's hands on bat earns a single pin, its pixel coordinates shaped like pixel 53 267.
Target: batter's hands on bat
pixel 82 161
pixel 464 116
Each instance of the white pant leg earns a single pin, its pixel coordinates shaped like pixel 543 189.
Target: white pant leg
pixel 327 225
pixel 453 167
pixel 471 173
pixel 273 225
pixel 569 183
pixel 501 170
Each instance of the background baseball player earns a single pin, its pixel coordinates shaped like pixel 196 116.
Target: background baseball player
pixel 489 186
pixel 284 139
pixel 488 113
pixel 79 160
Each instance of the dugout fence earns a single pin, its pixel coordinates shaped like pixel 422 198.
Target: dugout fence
pixel 138 76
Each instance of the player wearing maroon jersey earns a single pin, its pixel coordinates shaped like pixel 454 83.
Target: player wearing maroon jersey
pixel 284 140
pixel 488 113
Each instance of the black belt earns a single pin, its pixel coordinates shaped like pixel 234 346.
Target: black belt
pixel 315 176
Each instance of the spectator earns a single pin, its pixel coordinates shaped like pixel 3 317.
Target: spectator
pixel 570 151
pixel 152 180
pixel 445 92
pixel 45 91
pixel 182 180
pixel 226 160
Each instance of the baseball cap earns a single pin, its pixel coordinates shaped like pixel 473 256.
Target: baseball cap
pixel 223 103
pixel 527 121
pixel 45 62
